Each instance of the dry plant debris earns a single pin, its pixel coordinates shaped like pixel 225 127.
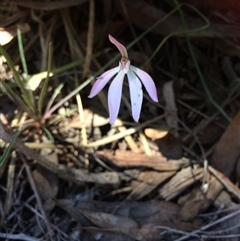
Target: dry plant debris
pixel 175 175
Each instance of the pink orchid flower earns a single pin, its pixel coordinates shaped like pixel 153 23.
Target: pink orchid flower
pixel 136 77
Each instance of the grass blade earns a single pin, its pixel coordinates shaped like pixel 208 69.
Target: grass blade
pixel 21 50
pixel 16 98
pixel 25 92
pixel 45 85
pixel 8 149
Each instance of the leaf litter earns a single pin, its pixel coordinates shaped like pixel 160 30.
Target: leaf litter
pixel 173 176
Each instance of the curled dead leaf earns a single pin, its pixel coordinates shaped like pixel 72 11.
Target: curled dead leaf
pixel 7 34
pixel 156 133
pixel 114 223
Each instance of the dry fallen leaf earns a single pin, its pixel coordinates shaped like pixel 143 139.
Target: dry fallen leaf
pixel 35 80
pixel 135 219
pixel 7 34
pixel 46 181
pixel 156 133
pixel 227 150
pixel 113 222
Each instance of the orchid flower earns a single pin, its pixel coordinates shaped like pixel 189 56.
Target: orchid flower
pixel 136 77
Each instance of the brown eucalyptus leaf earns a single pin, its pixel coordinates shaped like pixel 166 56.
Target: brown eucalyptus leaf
pixel 226 152
pixel 114 223
pixel 47 183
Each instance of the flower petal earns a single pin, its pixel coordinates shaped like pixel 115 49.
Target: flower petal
pixel 102 81
pixel 120 47
pixel 114 96
pixel 136 94
pixel 147 82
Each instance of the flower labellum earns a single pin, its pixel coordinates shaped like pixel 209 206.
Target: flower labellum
pixel 136 77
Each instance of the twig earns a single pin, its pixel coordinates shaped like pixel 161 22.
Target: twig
pixel 19 236
pixel 39 201
pixel 36 212
pixel 173 230
pixel 199 235
pixel 210 225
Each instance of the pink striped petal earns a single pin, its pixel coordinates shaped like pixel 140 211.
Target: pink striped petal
pixel 102 81
pixel 147 82
pixel 120 47
pixel 136 94
pixel 114 96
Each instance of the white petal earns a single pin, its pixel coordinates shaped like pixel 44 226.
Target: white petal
pixel 114 96
pixel 147 82
pixel 136 94
pixel 102 81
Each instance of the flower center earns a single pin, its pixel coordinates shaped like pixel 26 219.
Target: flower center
pixel 124 64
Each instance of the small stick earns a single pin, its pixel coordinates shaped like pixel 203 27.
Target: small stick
pixel 39 201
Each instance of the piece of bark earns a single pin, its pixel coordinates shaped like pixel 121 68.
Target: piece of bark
pixel 180 182
pixel 132 159
pixel 146 182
